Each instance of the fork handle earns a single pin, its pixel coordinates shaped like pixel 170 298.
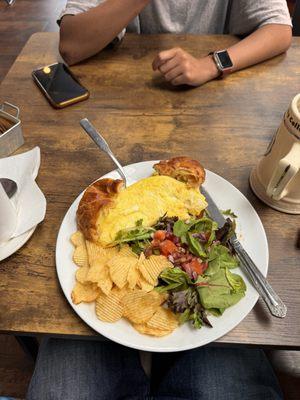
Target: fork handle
pixel 102 144
pixel 267 293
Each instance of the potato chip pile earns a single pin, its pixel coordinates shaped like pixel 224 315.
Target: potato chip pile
pixel 122 285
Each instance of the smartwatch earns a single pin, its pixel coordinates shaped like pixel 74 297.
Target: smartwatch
pixel 223 62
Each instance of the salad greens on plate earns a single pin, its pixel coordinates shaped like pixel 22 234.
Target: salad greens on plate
pixel 201 283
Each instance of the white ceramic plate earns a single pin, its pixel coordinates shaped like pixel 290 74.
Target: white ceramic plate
pixel 10 247
pixel 250 231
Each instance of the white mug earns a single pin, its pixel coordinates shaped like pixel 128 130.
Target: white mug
pixel 276 178
pixel 8 216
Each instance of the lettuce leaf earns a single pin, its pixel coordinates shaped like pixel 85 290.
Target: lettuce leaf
pixel 185 316
pixel 138 232
pixel 185 232
pixel 195 246
pixel 204 225
pixel 226 232
pixel 217 292
pixel 229 212
pixel 196 319
pixel 236 282
pixel 220 257
pixel 217 312
pixel 180 228
pixel 173 279
pixel 188 308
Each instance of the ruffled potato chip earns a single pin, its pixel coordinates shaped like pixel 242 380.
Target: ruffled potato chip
pixel 99 273
pixel 143 284
pixel 133 276
pixel 125 250
pixel 80 256
pixel 122 292
pixel 163 322
pixel 95 271
pixel 119 267
pixel 105 283
pixel 146 330
pixel 77 239
pixel 151 267
pixel 163 319
pixel 87 293
pixel 139 306
pixel 96 252
pixel 81 274
pixel 109 308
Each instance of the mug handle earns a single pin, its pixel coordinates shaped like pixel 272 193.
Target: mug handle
pixel 284 172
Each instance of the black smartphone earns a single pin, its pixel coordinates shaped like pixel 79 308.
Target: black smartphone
pixel 59 85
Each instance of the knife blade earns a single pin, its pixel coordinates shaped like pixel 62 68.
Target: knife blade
pixel 265 290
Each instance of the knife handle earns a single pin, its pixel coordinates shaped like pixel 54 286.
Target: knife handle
pixel 267 293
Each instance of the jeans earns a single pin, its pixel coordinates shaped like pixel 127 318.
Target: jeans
pixel 90 370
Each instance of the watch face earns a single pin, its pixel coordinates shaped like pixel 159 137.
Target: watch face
pixel 225 59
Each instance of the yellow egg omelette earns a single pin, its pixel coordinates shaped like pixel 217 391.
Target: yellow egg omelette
pixel 148 200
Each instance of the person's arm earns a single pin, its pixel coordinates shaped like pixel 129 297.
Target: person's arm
pixel 179 67
pixel 85 34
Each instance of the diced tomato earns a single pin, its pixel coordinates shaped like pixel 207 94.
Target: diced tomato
pixel 198 267
pixel 160 235
pixel 204 266
pixel 167 247
pixel 187 268
pixel 155 243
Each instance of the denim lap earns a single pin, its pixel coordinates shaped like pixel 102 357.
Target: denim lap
pixel 215 374
pixel 94 370
pixel 86 370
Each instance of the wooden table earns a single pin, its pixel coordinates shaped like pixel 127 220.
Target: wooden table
pixel 225 124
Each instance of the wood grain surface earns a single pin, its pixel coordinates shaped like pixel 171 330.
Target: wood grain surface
pixel 225 124
pixel 19 21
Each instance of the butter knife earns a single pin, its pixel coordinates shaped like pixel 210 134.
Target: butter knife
pixel 265 290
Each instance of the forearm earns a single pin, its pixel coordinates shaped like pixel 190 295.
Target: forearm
pixel 85 34
pixel 266 42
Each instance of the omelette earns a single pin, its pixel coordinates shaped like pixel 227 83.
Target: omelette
pixel 148 200
pixel 106 207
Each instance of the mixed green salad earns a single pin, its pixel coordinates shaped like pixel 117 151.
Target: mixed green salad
pixel 201 283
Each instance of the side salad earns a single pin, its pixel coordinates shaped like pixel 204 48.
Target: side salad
pixel 201 283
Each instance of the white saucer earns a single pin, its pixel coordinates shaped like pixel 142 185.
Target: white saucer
pixel 10 247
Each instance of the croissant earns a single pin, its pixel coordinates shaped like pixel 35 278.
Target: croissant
pixel 183 169
pixel 96 196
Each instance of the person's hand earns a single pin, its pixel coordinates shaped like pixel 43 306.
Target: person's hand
pixel 179 67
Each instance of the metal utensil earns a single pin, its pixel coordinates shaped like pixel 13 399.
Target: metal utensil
pixel 102 144
pixel 265 290
pixel 9 186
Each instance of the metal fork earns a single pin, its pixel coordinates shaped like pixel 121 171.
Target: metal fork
pixel 102 144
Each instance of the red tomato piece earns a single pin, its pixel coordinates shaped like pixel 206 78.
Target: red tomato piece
pixel 167 247
pixel 155 243
pixel 160 235
pixel 204 266
pixel 198 267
